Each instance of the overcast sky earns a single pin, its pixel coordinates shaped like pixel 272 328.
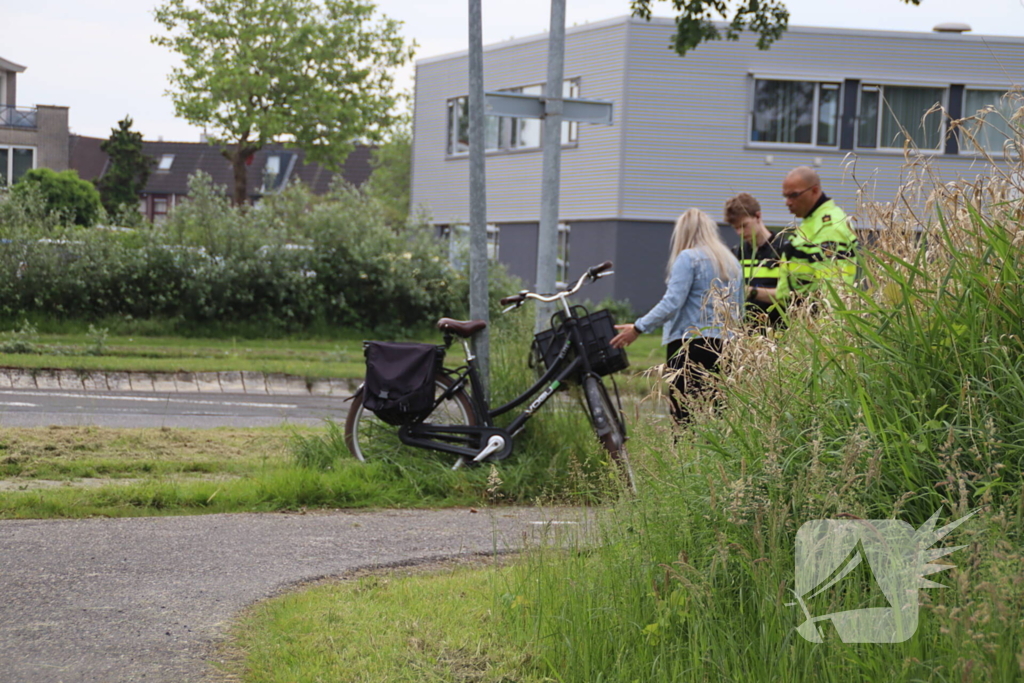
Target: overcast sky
pixel 95 56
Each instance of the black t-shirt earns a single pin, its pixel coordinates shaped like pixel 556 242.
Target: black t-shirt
pixel 762 269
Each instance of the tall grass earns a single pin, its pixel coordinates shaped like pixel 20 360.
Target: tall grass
pixel 892 402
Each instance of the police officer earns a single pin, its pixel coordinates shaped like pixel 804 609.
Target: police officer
pixel 760 253
pixel 823 247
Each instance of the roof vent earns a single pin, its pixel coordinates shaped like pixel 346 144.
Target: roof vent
pixel 952 27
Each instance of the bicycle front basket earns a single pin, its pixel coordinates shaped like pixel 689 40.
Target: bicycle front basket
pixel 596 331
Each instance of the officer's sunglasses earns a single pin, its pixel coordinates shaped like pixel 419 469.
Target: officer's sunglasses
pixel 794 195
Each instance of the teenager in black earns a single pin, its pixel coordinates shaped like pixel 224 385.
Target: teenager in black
pixel 760 253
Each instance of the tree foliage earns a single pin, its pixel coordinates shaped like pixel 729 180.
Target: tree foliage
pixel 390 182
pixel 127 173
pixel 316 74
pixel 695 22
pixel 64 193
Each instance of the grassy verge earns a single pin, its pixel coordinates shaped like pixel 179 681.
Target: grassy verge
pixel 313 358
pixel 391 627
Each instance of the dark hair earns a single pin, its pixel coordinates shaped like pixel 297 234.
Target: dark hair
pixel 741 206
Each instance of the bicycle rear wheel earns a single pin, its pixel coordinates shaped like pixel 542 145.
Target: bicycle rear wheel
pixel 370 438
pixel 609 426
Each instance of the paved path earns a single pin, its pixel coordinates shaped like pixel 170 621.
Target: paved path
pixel 144 599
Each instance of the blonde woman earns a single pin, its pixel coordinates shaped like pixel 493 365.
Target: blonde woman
pixel 702 299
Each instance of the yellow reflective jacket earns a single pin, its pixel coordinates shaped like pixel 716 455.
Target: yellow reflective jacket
pixel 823 248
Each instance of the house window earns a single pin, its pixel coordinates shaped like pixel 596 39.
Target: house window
pixel 505 133
pixel 271 171
pixel 562 256
pixel 991 129
pixel 160 207
pixel 889 114
pixel 458 243
pixel 795 112
pixel 14 163
pixel 164 164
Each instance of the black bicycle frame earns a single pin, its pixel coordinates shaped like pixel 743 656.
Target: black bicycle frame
pixel 468 440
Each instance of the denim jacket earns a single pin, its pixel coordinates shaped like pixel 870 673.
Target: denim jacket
pixel 687 309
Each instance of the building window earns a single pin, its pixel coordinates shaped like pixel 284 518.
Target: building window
pixel 160 209
pixel 14 163
pixel 164 164
pixel 889 114
pixel 271 172
pixel 570 129
pixel 458 243
pixel 795 112
pixel 991 129
pixel 562 256
pixel 505 133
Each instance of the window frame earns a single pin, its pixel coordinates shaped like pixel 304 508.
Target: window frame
pixel 963 141
pixel 449 232
pixel 562 246
pixel 882 85
pixel 508 125
pixel 8 172
pixel 815 80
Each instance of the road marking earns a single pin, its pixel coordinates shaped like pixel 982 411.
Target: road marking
pixel 151 399
pixel 15 404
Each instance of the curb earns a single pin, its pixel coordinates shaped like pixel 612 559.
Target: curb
pixel 172 382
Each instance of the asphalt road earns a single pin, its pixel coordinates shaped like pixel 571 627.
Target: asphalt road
pixel 147 599
pixel 45 407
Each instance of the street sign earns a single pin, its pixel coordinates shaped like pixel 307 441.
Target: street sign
pixel 522 106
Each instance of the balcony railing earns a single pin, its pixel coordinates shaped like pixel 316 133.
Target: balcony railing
pixel 17 117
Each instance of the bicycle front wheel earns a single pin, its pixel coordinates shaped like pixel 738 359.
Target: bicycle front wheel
pixel 609 426
pixel 370 438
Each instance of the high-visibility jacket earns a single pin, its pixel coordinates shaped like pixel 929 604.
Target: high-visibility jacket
pixel 823 248
pixel 761 268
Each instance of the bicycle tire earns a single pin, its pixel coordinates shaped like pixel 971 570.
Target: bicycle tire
pixel 609 426
pixel 369 438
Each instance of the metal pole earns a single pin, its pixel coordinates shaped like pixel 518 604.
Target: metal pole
pixel 547 237
pixel 478 195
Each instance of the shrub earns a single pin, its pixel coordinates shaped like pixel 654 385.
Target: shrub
pixel 63 193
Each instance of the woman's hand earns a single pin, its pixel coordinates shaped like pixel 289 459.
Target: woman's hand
pixel 626 336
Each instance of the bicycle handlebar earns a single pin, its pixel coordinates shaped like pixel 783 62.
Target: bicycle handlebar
pixel 594 273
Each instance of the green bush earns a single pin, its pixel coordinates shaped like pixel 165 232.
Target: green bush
pixel 295 262
pixel 63 193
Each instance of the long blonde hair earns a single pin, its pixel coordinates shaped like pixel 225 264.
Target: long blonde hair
pixel 696 230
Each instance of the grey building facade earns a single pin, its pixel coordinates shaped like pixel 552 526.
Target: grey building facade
pixel 695 130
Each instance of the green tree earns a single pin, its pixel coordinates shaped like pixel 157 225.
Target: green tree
pixel 316 74
pixel 77 200
pixel 695 21
pixel 127 173
pixel 390 180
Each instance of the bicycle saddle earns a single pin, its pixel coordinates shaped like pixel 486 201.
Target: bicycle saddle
pixel 463 328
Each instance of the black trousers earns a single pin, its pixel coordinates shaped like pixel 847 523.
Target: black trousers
pixel 689 365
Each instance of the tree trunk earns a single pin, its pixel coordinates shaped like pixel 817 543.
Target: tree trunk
pixel 238 156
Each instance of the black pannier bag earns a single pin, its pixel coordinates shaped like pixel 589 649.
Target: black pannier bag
pixel 596 330
pixel 399 386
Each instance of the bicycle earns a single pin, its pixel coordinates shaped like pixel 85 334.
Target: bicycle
pixel 461 421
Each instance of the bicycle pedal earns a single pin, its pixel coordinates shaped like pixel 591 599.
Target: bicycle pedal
pixel 494 444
